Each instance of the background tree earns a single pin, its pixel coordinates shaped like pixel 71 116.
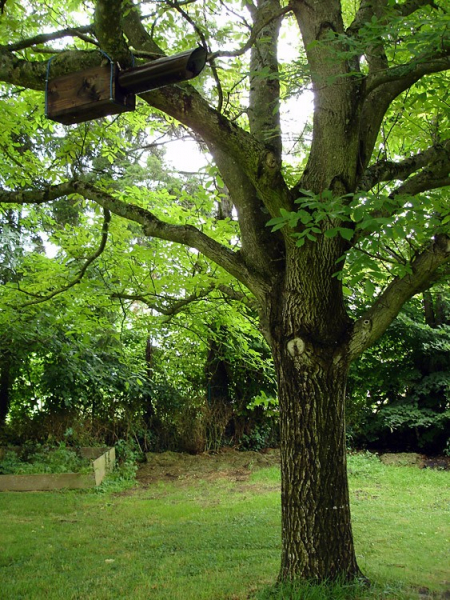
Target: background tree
pixel 399 390
pixel 367 199
pixel 79 363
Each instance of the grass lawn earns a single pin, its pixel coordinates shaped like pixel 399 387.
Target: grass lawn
pixel 211 538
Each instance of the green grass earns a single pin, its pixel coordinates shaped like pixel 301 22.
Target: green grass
pixel 220 540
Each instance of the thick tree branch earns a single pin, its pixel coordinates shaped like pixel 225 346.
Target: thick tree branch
pixel 385 86
pixel 374 53
pixel 404 76
pixel 257 160
pixel 429 179
pixel 262 250
pixel 32 74
pixel 337 87
pixel 367 10
pixel 36 196
pixel 43 38
pixel 186 235
pixel 182 102
pixel 77 279
pixel 378 318
pixel 435 158
pixel 382 10
pixel 137 35
pixel 108 28
pixel 185 104
pixel 264 106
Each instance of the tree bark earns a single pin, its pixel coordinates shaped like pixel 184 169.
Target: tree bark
pixel 309 336
pixel 317 541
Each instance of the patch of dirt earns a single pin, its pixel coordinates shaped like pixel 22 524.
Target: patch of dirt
pixel 426 594
pixel 403 459
pixel 228 464
pixel 238 466
pixel 412 459
pixel 437 462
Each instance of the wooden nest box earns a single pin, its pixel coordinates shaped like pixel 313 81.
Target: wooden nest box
pixel 87 95
pixel 101 91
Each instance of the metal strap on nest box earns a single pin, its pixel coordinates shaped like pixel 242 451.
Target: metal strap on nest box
pixel 86 95
pixel 48 75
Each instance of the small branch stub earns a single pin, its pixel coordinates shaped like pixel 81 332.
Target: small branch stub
pixel 296 347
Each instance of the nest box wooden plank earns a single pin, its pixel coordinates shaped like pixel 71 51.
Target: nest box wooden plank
pixel 87 95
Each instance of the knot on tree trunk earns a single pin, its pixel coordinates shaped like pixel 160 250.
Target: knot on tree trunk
pixel 296 347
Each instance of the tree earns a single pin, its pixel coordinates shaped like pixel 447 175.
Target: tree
pixel 364 203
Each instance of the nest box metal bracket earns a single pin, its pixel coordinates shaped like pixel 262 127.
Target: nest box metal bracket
pixel 101 91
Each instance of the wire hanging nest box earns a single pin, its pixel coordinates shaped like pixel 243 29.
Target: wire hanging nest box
pixel 87 95
pixel 105 90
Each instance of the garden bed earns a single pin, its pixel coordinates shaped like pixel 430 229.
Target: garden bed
pixel 102 461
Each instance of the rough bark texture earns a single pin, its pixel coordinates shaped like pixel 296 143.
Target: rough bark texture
pixel 308 331
pixel 317 538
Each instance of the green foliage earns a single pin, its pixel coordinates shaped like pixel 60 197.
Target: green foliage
pixel 128 455
pixel 399 390
pixel 82 359
pixel 35 459
pixel 268 403
pixel 83 354
pixel 260 437
pixel 374 223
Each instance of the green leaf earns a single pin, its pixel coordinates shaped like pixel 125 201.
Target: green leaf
pixel 369 288
pixel 346 233
pixel 332 232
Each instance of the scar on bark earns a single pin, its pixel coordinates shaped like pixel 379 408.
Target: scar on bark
pixel 295 347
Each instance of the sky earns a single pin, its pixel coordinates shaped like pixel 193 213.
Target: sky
pixel 185 155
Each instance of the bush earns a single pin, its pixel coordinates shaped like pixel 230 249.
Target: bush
pixel 399 390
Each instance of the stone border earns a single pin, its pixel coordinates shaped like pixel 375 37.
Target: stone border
pixel 103 460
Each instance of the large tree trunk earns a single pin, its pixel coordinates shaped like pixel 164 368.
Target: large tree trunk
pixel 317 540
pixel 309 332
